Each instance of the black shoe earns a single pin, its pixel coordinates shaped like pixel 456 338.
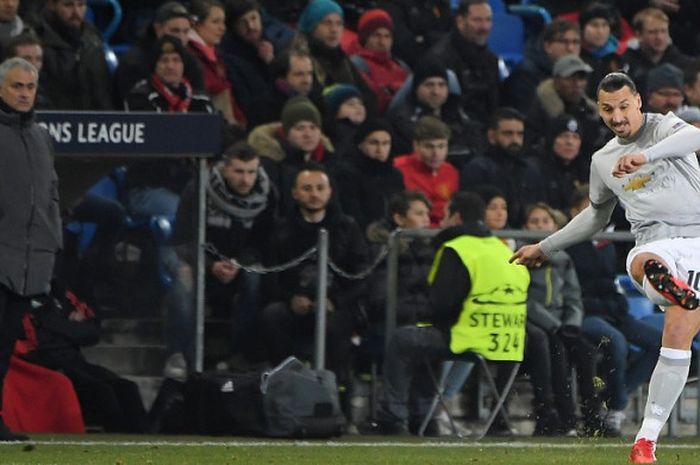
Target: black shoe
pixel 8 436
pixel 669 286
pixel 384 428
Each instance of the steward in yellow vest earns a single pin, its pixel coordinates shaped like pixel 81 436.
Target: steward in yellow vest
pixel 477 302
pixel 472 265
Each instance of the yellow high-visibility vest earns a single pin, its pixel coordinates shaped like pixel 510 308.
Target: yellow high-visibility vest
pixel 492 320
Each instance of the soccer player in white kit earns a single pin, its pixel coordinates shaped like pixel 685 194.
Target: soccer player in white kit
pixel 651 168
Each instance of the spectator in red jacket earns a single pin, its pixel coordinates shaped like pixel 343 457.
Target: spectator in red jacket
pixel 426 170
pixel 383 73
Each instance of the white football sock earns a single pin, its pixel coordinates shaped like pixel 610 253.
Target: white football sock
pixel 667 382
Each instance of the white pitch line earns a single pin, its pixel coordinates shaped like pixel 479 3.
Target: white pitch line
pixel 444 445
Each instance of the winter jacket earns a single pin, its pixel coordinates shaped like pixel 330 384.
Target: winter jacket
pixel 293 235
pixel 596 264
pixel 548 105
pixel 561 179
pixel 554 295
pixel 465 139
pixel 382 73
pixel 30 224
pixel 249 74
pixel 415 259
pixel 75 74
pixel 366 186
pixel 477 70
pixel 135 65
pixel 418 24
pixel 640 64
pixel 282 161
pixel 520 87
pixel 231 234
pixel 516 176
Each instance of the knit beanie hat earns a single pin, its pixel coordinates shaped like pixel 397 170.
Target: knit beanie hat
pixel 314 13
pixel 662 76
pixel 369 126
pixel 427 68
pixel 167 44
pixel 299 109
pixel 596 10
pixel 562 123
pixel 335 95
pixel 370 21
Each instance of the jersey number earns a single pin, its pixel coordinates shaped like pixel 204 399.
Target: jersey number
pixel 503 342
pixel 694 280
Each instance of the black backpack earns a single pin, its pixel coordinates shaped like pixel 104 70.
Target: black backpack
pixel 289 400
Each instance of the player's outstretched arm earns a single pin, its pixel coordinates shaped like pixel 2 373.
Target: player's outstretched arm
pixel 528 255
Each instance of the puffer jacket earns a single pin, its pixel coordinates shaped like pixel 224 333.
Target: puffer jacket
pixel 30 224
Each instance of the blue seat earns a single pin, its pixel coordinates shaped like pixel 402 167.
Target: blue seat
pixel 113 187
pixel 639 306
pixel 507 39
pixel 107 30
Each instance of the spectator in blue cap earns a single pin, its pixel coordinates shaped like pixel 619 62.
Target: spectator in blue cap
pixel 345 111
pixel 322 24
pixel 317 11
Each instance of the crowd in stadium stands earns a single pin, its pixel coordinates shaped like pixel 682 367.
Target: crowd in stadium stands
pixel 362 117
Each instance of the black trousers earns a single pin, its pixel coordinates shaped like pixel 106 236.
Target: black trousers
pixel 12 309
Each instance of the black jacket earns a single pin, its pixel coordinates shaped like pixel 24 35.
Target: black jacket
pixel 232 236
pixel 249 75
pixel 75 74
pixel 366 185
pixel 418 24
pixel 415 258
pixel 516 176
pixel 595 264
pixel 451 284
pixel 465 138
pixel 293 235
pixel 30 224
pixel 519 88
pixel 477 71
pixel 560 179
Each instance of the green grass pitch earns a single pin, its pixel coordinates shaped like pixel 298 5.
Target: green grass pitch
pixel 99 449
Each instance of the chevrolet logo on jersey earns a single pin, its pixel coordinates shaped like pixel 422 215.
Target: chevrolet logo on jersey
pixel 637 183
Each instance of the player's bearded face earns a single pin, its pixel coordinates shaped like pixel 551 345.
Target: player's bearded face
pixel 621 111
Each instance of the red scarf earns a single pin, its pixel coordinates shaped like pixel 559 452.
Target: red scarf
pixel 176 104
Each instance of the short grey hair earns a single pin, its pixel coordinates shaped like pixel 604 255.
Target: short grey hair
pixel 16 62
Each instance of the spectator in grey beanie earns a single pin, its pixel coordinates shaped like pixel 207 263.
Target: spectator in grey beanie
pixel 664 89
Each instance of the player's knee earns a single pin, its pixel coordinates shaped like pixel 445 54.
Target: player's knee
pixel 677 336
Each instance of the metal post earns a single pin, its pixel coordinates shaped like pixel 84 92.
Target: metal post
pixel 392 284
pixel 321 294
pixel 200 238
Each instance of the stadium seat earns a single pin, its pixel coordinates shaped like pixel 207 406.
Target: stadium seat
pixel 107 30
pixel 507 39
pixel 439 384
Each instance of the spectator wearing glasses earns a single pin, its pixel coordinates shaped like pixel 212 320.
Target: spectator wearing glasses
pixel 559 38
